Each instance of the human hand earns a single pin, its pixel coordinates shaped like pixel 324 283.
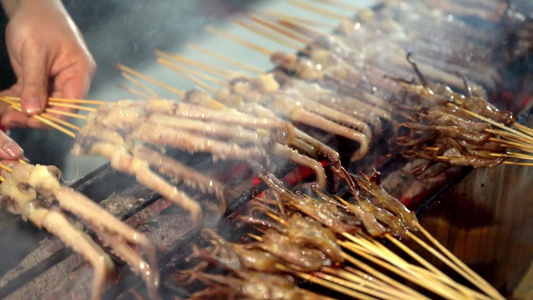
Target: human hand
pixel 9 149
pixel 49 58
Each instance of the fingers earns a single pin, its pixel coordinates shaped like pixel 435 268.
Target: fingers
pixel 75 82
pixel 9 149
pixel 34 79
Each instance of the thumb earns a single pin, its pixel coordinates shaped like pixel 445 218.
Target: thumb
pixel 9 149
pixel 34 80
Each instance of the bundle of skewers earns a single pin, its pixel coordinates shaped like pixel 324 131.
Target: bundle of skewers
pixel 35 193
pixel 457 130
pixel 332 242
pixel 340 85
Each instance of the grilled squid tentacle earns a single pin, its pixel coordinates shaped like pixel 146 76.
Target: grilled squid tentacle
pixel 57 224
pixel 124 162
pixel 164 136
pixel 181 172
pixel 302 160
pixel 148 273
pixel 338 117
pixel 301 115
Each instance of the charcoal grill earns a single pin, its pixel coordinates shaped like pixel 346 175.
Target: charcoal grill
pixel 52 267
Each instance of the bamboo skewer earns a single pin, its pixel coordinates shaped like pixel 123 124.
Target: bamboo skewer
pixel 385 258
pixel 55 99
pixel 506 162
pixel 123 68
pixel 2 166
pixel 493 292
pixel 302 29
pixel 46 118
pixel 509 136
pixel 297 19
pixel 50 123
pixel 506 154
pixel 353 286
pixel 517 163
pixel 325 283
pixel 74 106
pixel 386 254
pixel 340 4
pixel 267 34
pixel 405 289
pixel 61 122
pixel 193 75
pixel 231 61
pixel 282 30
pixel 190 77
pixel 136 82
pixel 432 268
pixel 319 10
pixel 239 40
pixel 376 273
pixel 65 113
pixel 374 284
pixel 449 263
pixel 183 70
pixel 430 286
pixel 524 129
pixel 135 92
pixel 182 59
pixel 492 122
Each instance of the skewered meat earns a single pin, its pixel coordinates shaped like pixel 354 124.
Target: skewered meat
pixel 324 212
pixel 294 106
pixel 448 127
pixel 114 130
pixel 301 232
pixel 234 257
pixel 302 141
pixel 345 217
pixel 254 272
pixel 236 101
pixel 283 247
pixel 372 186
pixel 253 285
pixel 33 191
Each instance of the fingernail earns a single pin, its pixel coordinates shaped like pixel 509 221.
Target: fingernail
pixel 32 105
pixel 13 149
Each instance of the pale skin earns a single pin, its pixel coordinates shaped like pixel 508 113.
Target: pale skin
pixel 49 58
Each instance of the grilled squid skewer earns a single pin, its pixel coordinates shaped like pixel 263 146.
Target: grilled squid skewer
pixel 32 192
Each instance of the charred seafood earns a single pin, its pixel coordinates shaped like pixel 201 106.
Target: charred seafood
pixel 34 192
pixel 127 133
